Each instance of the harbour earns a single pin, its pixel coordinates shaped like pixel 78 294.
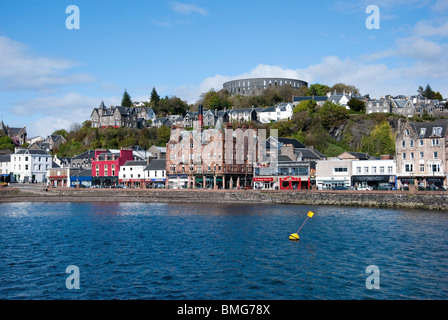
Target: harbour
pixel 172 251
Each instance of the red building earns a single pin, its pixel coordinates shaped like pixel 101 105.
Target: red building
pixel 106 166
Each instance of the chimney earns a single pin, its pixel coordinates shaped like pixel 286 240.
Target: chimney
pixel 200 115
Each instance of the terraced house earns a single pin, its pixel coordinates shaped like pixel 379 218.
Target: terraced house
pixel 133 117
pixel 421 154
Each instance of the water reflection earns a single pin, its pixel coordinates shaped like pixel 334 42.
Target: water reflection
pixel 219 251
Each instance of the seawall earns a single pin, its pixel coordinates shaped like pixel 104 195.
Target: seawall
pixel 381 199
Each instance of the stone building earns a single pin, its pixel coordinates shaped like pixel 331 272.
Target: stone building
pixel 255 86
pixel 133 117
pixel 214 158
pixel 421 154
pixel 17 135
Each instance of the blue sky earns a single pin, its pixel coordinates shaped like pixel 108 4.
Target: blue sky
pixel 51 77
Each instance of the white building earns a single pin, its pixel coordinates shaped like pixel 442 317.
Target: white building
pixel 155 173
pixel 132 173
pixel 333 174
pixel 374 174
pixel 267 115
pixel 283 111
pixel 5 168
pixel 30 165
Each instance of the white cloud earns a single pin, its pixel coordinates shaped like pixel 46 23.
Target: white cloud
pixel 188 8
pixel 376 79
pixel 48 113
pixel 425 28
pixel 21 70
pixel 440 6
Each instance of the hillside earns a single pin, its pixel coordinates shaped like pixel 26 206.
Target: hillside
pixel 84 138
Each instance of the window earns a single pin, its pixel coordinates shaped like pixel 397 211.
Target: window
pixel 389 169
pixel 422 168
pixel 340 170
pixel 105 170
pixel 113 170
pixel 437 131
pixel 407 132
pixel 435 154
pixel 435 142
pixel 421 143
pixel 422 155
pixel 358 169
pixel 412 155
pixel 403 144
pixel 408 168
pixel 26 167
pixel 373 169
pixel 434 167
pixel 422 131
pixel 381 169
pixel 97 169
pixel 26 158
pixel 404 155
pixel 366 169
pixel 412 143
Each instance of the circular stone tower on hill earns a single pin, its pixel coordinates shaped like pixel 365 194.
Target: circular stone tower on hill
pixel 254 86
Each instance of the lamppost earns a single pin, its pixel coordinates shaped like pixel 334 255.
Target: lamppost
pixel 434 166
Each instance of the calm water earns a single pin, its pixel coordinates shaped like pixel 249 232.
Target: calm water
pixel 170 251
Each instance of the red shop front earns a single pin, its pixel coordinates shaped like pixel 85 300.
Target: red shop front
pixel 292 183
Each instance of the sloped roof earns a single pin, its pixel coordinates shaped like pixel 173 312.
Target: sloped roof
pixel 134 163
pixel 315 98
pixel 441 123
pixel 156 164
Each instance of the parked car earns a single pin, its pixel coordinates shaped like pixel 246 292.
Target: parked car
pixel 339 188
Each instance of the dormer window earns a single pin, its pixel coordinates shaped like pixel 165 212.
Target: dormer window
pixel 437 131
pixel 422 131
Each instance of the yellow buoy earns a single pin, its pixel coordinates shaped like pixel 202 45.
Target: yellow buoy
pixel 294 237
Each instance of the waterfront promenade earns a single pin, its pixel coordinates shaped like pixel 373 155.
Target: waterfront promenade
pixel 433 200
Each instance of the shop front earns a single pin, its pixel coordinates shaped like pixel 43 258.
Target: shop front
pixel 374 182
pixel 132 183
pixel 263 182
pixel 177 181
pixel 294 183
pixel 105 182
pixel 156 183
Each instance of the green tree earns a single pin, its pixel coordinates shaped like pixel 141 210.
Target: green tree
pixel 6 143
pixel 438 96
pixel 380 141
pixel 318 90
pixel 211 100
pixel 356 105
pixel 61 132
pixel 428 93
pixel 155 98
pixel 305 105
pixel 342 87
pixel 126 101
pixel 164 134
pixel 330 113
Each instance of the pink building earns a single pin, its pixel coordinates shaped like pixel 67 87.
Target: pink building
pixel 106 166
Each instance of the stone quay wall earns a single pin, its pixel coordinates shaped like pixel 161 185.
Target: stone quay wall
pixel 380 199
